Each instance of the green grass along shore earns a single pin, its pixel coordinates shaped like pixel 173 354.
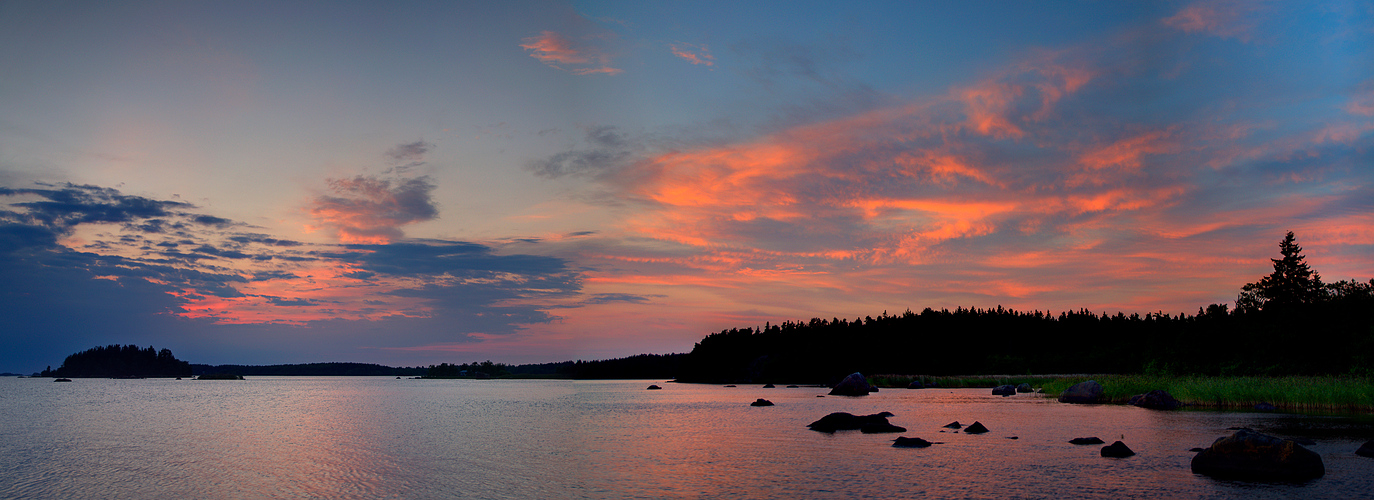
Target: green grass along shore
pixel 1302 394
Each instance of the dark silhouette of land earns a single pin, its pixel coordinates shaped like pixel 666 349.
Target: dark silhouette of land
pixel 1287 323
pixel 116 361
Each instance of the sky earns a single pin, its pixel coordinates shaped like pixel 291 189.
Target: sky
pixel 410 183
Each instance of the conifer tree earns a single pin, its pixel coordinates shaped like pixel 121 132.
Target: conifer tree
pixel 1291 284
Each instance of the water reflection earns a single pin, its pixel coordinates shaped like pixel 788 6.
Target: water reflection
pixel 378 437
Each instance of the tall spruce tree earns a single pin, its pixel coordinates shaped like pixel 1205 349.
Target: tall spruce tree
pixel 1291 284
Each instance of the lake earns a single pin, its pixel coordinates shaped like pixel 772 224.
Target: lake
pixel 369 437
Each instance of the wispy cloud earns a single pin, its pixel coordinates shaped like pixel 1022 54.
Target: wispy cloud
pixel 692 53
pixel 582 57
pixel 369 209
pixel 1222 18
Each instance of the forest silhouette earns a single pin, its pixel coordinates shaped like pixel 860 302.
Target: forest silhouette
pixel 1287 323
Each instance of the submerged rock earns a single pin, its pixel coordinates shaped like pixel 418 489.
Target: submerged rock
pixel 1157 399
pixel 975 428
pixel 1249 455
pixel 761 402
pixel 1117 450
pixel 1087 440
pixel 793 386
pixel 1004 390
pixel 906 442
pixel 841 421
pixel 853 385
pixel 1367 449
pixel 1088 392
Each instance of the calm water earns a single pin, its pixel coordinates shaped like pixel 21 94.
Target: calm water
pixel 306 437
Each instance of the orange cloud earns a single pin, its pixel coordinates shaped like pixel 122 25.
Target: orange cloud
pixel 372 210
pixel 557 51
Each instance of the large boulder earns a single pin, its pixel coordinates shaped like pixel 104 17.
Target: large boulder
pixel 1366 449
pixel 841 421
pixel 1004 390
pixel 853 385
pixel 1083 393
pixel 1157 399
pixel 1024 387
pixel 1249 455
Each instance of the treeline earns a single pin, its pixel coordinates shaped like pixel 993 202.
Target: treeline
pixel 116 361
pixel 642 366
pixel 1288 323
pixel 310 369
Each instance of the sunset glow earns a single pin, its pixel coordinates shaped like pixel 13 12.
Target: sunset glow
pixel 444 183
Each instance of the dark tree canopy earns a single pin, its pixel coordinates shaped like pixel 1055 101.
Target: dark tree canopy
pixel 1291 284
pixel 122 362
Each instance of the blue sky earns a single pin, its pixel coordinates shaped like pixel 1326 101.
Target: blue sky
pixel 414 183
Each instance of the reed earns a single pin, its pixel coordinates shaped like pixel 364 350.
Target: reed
pixel 1294 393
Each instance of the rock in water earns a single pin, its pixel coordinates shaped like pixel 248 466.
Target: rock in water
pixel 853 385
pixel 1087 440
pixel 1024 387
pixel 975 428
pixel 1082 393
pixel 1249 455
pixel 915 384
pixel 761 402
pixel 1157 399
pixel 769 386
pixel 653 388
pixel 906 442
pixel 1367 449
pixel 841 421
pixel 880 428
pixel 1117 450
pixel 954 425
pixel 1004 390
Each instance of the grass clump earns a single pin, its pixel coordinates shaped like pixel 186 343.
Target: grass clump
pixel 1294 393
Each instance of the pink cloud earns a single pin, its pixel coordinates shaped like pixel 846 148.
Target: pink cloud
pixel 578 58
pixel 695 54
pixel 366 209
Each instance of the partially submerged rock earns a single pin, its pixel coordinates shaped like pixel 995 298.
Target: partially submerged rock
pixel 653 388
pixel 954 425
pixel 853 385
pixel 1249 455
pixel 975 428
pixel 1088 392
pixel 769 386
pixel 1117 450
pixel 1024 387
pixel 841 421
pixel 1004 390
pixel 1087 440
pixel 880 428
pixel 761 402
pixel 906 442
pixel 1265 407
pixel 1367 449
pixel 915 384
pixel 1157 399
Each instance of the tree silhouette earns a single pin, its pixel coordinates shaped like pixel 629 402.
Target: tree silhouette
pixel 1291 284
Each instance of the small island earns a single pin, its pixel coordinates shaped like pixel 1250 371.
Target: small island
pixel 116 361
